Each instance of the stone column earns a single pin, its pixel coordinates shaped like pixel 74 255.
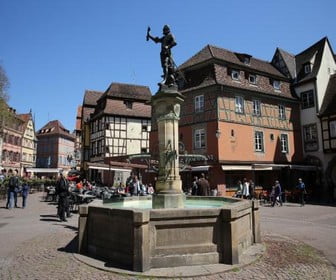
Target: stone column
pixel 166 105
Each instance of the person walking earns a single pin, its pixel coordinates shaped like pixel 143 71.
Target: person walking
pixel 62 190
pixel 194 186
pixel 24 194
pixel 13 186
pixel 302 189
pixel 136 186
pixel 251 189
pixel 203 186
pixel 246 189
pixel 277 194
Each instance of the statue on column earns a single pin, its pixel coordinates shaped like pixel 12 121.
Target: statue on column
pixel 168 65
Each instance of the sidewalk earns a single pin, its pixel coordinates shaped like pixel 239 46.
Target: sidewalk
pixel 35 245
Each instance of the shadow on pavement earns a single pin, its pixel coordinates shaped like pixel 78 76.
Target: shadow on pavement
pixel 71 247
pixel 70 227
pixel 49 218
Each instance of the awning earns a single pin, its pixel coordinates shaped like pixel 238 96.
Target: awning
pixel 303 167
pixel 109 168
pixel 236 167
pixel 43 170
pixel 265 166
pixel 200 168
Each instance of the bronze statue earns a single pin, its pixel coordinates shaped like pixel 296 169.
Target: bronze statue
pixel 168 65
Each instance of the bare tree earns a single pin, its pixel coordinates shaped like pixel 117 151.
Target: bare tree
pixel 4 85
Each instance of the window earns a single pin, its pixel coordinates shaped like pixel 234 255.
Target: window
pixel 310 137
pixel 199 103
pixel 247 60
pixel 199 140
pixel 307 68
pixel 256 108
pixel 284 143
pixel 239 104
pixel 144 128
pixel 332 127
pixel 259 141
pixel 235 75
pixel 282 112
pixel 252 79
pixel 276 84
pixel 310 133
pixel 128 104
pixel 307 99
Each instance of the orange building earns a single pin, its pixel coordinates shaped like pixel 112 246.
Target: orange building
pixel 240 113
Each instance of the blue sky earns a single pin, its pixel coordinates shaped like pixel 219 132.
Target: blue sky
pixel 53 50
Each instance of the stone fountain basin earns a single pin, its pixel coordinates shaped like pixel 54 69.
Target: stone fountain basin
pixel 139 239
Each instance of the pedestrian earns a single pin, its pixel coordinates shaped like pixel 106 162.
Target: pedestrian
pixel 302 189
pixel 136 186
pixel 150 189
pixel 62 190
pixel 194 186
pixel 277 194
pixel 251 189
pixel 24 194
pixel 203 186
pixel 13 187
pixel 246 189
pixel 239 191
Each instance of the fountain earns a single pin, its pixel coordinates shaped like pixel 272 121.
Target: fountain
pixel 169 229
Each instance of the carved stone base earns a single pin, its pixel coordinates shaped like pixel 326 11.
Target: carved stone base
pixel 168 200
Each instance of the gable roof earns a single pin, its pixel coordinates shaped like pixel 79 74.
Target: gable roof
pixel 54 127
pixel 211 52
pixel 329 100
pixel 128 91
pixel 91 97
pixel 290 62
pixel 118 108
pixel 26 118
pixel 305 56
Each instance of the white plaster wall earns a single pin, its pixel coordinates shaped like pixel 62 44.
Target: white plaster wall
pixel 134 136
pixel 308 115
pixel 327 68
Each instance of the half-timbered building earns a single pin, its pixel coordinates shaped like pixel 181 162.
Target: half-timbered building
pixel 119 127
pixel 240 113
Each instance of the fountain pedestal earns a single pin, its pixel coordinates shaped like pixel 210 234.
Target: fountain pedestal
pixel 166 104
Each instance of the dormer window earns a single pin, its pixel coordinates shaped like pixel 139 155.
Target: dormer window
pixel 252 79
pixel 276 84
pixel 307 68
pixel 128 104
pixel 235 75
pixel 247 60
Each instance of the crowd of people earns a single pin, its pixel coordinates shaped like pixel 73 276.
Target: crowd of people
pixel 133 186
pixel 16 187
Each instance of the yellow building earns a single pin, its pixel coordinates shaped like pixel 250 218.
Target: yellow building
pixel 28 151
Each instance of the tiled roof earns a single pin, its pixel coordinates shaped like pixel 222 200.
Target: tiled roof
pixel 87 112
pixel 54 127
pixel 128 91
pixel 79 117
pixel 118 108
pixel 329 100
pixel 211 52
pixel 91 97
pixel 290 62
pixel 305 56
